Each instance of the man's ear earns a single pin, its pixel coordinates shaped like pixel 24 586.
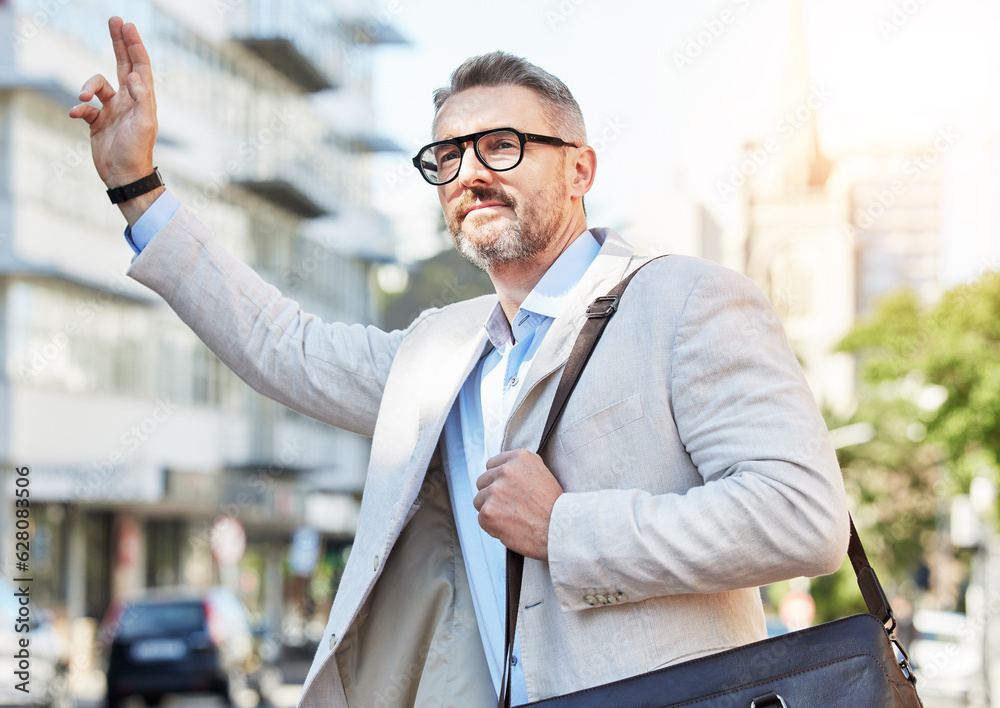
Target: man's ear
pixel 581 170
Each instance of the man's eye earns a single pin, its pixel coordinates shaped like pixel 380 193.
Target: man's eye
pixel 500 144
pixel 447 156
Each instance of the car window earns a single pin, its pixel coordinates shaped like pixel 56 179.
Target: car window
pixel 147 620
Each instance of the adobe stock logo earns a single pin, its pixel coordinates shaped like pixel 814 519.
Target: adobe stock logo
pixel 866 216
pixel 713 28
pixel 562 12
pixel 901 14
pixel 31 25
pixel 784 128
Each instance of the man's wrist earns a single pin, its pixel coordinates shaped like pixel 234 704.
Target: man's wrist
pixel 136 207
pixel 131 190
pixel 122 178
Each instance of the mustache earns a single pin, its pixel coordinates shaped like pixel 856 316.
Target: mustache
pixel 474 195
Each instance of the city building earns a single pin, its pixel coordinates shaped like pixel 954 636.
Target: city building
pixel 137 439
pixel 895 221
pixel 825 238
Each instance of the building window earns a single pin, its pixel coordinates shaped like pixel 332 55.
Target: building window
pixel 163 553
pixel 97 575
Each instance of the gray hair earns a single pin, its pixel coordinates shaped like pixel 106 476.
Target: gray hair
pixel 502 69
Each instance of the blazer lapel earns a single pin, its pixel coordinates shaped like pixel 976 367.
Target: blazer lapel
pixel 536 395
pixel 443 361
pixel 430 367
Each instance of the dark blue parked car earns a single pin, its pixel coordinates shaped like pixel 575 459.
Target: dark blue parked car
pixel 178 642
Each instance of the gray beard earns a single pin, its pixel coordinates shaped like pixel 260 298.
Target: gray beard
pixel 514 244
pixel 521 242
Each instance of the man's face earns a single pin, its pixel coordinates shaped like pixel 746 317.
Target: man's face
pixel 500 218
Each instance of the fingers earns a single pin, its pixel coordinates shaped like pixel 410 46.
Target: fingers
pixel 137 55
pixel 499 459
pixel 136 88
pixel 97 86
pixel 121 50
pixel 519 456
pixel 130 52
pixel 86 111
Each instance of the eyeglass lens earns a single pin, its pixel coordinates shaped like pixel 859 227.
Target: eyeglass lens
pixel 499 150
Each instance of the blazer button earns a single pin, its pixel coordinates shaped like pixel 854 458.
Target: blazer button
pixel 601 599
pixel 621 597
pixel 333 640
pixel 590 600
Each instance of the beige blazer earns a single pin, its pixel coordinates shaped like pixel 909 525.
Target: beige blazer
pixel 695 465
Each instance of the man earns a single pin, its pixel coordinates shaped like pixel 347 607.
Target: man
pixel 689 467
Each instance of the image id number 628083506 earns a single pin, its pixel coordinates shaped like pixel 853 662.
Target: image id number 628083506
pixel 22 583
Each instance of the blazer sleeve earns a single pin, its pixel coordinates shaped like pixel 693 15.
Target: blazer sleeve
pixel 772 505
pixel 332 372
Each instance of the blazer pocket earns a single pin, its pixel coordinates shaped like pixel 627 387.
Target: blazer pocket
pixel 597 425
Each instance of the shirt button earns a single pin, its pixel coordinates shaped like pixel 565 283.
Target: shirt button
pixel 513 661
pixel 333 640
pixel 513 381
pixel 376 563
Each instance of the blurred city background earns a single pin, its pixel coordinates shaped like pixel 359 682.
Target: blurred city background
pixel 843 155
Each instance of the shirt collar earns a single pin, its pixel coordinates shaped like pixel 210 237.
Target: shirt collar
pixel 549 294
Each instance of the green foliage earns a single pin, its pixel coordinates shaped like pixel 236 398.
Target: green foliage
pixel 956 346
pixel 930 387
pixel 894 482
pixel 837 595
pixel 887 340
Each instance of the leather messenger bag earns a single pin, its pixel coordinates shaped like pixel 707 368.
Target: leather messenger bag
pixel 855 662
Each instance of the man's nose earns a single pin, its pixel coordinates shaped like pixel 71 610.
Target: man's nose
pixel 472 170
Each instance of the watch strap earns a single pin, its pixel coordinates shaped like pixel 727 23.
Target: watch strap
pixel 134 189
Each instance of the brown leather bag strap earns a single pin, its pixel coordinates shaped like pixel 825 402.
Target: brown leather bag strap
pixel 599 313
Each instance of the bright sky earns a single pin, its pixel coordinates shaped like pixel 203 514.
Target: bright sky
pixel 897 71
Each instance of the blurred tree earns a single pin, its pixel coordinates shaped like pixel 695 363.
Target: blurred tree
pixel 951 358
pixel 929 385
pixel 893 483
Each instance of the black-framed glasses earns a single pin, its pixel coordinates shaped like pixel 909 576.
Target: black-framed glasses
pixel 500 149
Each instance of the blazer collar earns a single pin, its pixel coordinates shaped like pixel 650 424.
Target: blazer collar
pixel 607 270
pixel 459 344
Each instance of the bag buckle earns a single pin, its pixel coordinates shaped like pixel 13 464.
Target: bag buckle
pixel 769 699
pixel 904 659
pixel 611 304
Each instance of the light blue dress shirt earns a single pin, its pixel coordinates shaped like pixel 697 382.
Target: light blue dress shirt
pixel 152 220
pixel 475 426
pixel 474 433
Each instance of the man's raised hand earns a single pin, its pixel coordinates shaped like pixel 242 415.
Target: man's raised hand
pixel 123 130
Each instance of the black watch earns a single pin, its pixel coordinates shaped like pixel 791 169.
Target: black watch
pixel 134 189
